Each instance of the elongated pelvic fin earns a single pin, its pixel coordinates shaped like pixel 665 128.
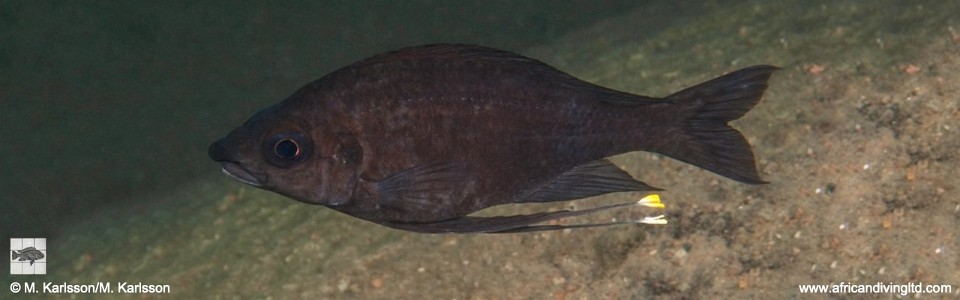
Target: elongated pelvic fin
pixel 526 223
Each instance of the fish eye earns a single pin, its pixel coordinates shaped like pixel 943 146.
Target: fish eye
pixel 286 149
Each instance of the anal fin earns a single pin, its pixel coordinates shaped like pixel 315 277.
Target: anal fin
pixel 591 179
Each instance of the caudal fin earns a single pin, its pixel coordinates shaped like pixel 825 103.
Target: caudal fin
pixel 707 140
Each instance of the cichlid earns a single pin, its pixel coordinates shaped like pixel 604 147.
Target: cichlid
pixel 419 138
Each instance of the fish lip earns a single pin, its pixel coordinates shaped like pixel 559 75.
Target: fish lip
pixel 239 173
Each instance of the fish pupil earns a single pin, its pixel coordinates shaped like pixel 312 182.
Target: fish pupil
pixel 287 149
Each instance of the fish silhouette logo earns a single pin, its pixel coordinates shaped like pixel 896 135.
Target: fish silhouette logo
pixel 28 256
pixel 28 253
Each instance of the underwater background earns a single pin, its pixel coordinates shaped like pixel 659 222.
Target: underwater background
pixel 107 109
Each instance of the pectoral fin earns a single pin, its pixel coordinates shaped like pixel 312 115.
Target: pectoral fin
pixel 423 188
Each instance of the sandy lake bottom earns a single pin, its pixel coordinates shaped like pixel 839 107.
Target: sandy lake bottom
pixel 857 134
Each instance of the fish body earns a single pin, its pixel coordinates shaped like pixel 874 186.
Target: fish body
pixel 417 139
pixel 29 253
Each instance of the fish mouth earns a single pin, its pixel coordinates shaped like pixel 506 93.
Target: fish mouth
pixel 228 164
pixel 239 173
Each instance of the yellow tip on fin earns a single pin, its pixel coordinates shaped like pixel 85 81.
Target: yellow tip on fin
pixel 652 200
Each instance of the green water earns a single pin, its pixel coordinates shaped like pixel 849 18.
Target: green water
pixel 107 109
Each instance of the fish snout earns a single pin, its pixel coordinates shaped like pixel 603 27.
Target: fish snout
pixel 218 152
pixel 231 166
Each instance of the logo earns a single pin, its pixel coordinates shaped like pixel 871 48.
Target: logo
pixel 28 256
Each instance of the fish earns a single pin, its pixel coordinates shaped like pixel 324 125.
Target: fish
pixel 420 138
pixel 28 253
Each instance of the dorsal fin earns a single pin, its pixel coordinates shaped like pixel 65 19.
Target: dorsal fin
pixel 441 52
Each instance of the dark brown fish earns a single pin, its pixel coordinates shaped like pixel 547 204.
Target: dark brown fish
pixel 419 138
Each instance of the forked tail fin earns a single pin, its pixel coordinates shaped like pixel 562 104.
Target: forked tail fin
pixel 707 141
